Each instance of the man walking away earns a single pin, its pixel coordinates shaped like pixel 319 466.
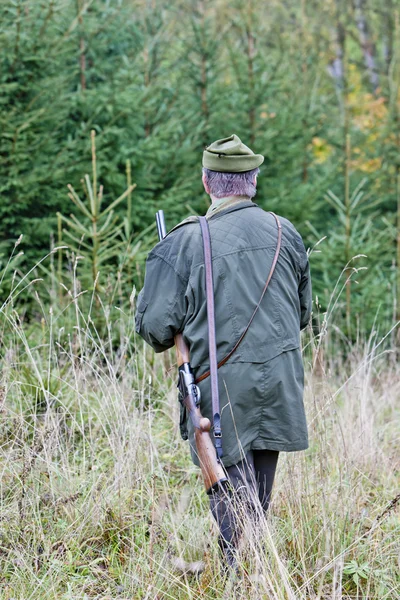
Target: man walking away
pixel 261 384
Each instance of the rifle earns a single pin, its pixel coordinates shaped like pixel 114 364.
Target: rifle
pixel 211 467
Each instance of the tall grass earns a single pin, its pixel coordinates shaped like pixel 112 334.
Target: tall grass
pixel 99 498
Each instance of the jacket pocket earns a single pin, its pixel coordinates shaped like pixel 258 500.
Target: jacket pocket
pixel 140 310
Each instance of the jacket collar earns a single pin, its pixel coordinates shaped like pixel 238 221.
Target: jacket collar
pixel 222 203
pixel 231 204
pixel 243 202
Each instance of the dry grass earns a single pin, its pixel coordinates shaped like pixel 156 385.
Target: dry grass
pixel 99 497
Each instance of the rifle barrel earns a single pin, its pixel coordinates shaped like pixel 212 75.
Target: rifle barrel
pixel 161 228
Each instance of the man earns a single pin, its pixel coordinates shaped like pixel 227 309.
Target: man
pixel 261 385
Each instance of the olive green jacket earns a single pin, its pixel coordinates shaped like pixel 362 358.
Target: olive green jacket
pixel 261 386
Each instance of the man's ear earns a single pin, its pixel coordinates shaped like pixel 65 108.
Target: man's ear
pixel 255 181
pixel 204 180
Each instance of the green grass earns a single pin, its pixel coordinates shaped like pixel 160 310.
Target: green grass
pixel 99 495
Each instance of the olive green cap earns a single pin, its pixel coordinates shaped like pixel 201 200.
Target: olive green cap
pixel 230 155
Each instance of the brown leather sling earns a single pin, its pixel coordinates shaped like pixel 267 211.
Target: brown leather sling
pixel 214 366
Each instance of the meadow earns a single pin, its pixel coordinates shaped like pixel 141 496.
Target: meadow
pixel 99 498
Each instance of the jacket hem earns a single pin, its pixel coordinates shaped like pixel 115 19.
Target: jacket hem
pixel 228 461
pixel 234 459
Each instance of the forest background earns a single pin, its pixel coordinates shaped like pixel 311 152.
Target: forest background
pixel 314 86
pixel 105 109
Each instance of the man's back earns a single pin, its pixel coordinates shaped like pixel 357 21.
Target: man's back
pixel 244 239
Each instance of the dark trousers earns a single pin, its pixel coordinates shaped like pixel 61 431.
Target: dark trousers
pixel 251 482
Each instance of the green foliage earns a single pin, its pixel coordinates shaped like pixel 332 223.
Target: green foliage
pixel 95 234
pixel 357 572
pixel 8 266
pixel 157 81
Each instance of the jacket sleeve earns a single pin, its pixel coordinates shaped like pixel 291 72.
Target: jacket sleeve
pixel 305 294
pixel 161 306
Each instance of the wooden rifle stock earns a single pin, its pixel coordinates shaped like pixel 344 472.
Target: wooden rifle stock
pixel 182 351
pixel 211 468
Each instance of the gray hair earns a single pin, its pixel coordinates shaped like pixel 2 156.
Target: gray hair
pixel 231 184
